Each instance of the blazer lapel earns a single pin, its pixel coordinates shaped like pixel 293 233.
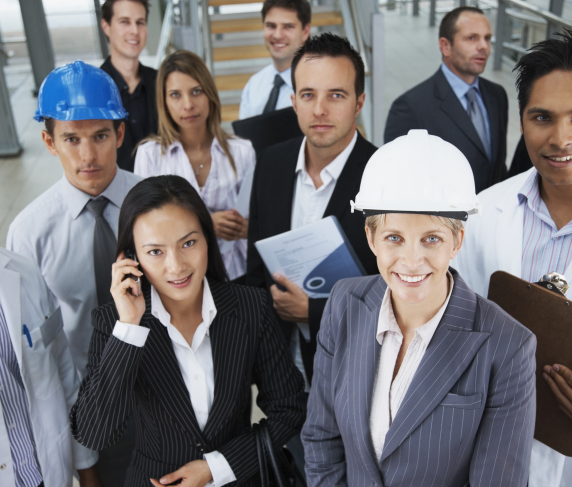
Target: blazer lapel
pixel 363 350
pixel 10 300
pixel 166 379
pixel 509 233
pixel 229 342
pixel 453 108
pixel 347 185
pixel 450 352
pixel 283 191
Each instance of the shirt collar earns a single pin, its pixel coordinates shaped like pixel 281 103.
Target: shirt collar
pixel 387 321
pixel 460 87
pixel 76 199
pixel 208 311
pixel 116 75
pixel 175 146
pixel 334 168
pixel 285 75
pixel 530 192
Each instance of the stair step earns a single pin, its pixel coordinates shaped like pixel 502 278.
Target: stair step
pixel 229 113
pixel 232 81
pixel 240 52
pixel 250 24
pixel 220 3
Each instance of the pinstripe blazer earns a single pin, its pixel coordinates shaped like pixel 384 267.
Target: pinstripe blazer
pixel 247 346
pixel 466 419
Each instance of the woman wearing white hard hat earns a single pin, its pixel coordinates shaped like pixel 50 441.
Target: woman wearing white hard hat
pixel 418 381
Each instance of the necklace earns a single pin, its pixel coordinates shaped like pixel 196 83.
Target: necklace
pixel 197 171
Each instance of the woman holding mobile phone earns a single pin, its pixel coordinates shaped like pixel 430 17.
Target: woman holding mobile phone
pixel 192 144
pixel 182 355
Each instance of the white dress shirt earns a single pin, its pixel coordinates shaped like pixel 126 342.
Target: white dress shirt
pixel 387 396
pixel 56 231
pixel 221 187
pixel 309 206
pixel 257 91
pixel 196 364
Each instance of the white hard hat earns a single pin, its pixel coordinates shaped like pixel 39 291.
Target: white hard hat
pixel 418 173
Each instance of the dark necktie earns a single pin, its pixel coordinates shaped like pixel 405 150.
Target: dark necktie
pixel 273 98
pixel 104 248
pixel 478 119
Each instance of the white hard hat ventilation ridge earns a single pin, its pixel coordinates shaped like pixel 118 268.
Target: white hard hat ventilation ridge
pixel 418 174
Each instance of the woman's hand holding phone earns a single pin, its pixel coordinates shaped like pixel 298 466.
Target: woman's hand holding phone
pixel 129 301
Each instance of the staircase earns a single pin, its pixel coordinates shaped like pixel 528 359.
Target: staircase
pixel 238 45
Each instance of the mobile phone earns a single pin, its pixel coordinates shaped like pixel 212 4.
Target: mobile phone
pixel 131 255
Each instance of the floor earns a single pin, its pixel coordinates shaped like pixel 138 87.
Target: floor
pixel 411 52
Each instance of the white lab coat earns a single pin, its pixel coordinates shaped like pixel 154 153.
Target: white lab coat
pixel 493 242
pixel 48 372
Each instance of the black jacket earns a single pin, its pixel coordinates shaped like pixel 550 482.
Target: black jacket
pixel 433 105
pixel 142 119
pixel 271 212
pixel 123 379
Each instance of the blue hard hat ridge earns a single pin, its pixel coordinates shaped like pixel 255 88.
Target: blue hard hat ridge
pixel 79 91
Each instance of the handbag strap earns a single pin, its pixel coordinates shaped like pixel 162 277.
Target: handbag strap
pixel 262 463
pixel 271 455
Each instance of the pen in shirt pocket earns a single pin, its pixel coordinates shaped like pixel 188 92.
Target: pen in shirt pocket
pixel 28 336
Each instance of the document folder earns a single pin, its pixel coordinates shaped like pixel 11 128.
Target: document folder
pixel 313 257
pixel 269 128
pixel 549 317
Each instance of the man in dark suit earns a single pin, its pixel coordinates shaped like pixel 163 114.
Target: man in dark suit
pixel 308 178
pixel 455 103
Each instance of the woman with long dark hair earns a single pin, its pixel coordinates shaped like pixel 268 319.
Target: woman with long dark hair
pixel 191 143
pixel 180 350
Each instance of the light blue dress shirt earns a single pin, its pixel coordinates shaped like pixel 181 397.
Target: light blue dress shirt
pixel 16 413
pixel 56 231
pixel 460 88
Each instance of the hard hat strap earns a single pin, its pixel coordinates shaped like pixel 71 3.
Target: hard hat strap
pixel 455 215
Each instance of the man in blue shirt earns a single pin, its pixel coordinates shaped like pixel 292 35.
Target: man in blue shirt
pixel 455 103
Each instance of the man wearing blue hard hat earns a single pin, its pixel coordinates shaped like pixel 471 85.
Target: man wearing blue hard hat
pixel 71 229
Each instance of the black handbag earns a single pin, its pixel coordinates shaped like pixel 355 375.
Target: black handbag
pixel 285 473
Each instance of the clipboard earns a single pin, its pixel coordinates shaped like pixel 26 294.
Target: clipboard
pixel 549 317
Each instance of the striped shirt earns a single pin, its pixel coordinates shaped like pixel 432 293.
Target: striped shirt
pixel 220 190
pixel 16 413
pixel 544 248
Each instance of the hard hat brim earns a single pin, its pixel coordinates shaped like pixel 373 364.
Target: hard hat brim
pixel 455 215
pixel 83 113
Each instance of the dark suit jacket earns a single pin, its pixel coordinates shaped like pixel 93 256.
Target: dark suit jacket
pixel 521 160
pixel 433 105
pixel 142 119
pixel 123 379
pixel 271 212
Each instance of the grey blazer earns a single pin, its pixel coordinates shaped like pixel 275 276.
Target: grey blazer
pixel 467 418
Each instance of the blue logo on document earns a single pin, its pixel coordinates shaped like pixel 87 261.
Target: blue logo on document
pixel 338 265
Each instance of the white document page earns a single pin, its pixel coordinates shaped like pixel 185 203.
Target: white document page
pixel 242 205
pixel 296 253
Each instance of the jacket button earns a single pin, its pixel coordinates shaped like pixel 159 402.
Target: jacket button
pixel 3 466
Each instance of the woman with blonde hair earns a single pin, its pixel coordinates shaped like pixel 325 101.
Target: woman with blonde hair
pixel 192 144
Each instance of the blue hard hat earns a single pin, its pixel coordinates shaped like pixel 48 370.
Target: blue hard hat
pixel 79 91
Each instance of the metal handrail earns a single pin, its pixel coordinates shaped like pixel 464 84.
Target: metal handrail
pixel 207 38
pixel 165 36
pixel 551 17
pixel 503 37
